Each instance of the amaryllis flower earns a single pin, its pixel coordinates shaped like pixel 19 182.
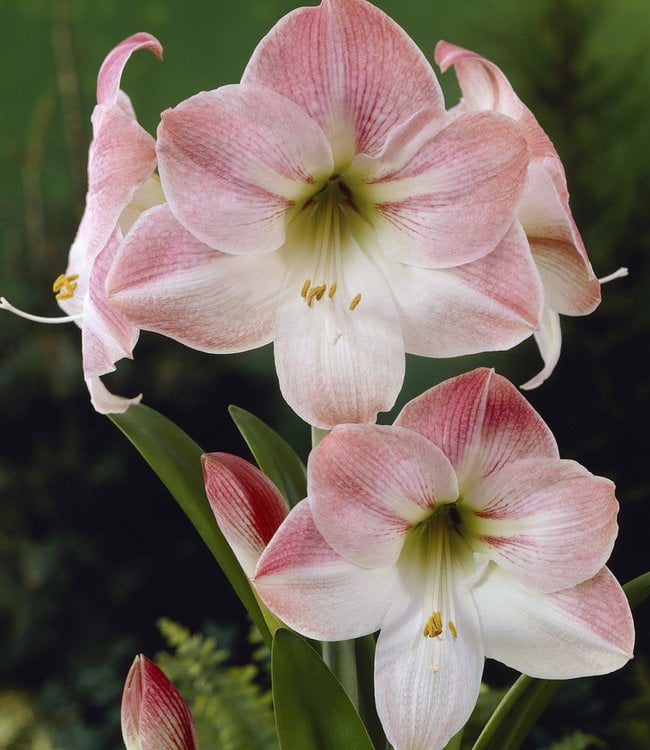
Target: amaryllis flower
pixel 570 285
pixel 328 203
pixel 155 715
pixel 460 534
pixel 121 184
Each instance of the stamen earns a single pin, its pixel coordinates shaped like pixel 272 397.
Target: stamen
pixel 620 273
pixel 5 305
pixel 320 291
pixel 355 301
pixel 305 288
pixel 452 629
pixel 433 626
pixel 332 290
pixel 65 286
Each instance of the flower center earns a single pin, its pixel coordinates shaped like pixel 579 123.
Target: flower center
pixel 326 219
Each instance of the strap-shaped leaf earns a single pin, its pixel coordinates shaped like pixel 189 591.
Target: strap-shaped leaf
pixel 311 708
pixel 176 459
pixel 275 457
pixel 523 704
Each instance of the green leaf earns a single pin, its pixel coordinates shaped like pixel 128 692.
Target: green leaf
pixel 311 708
pixel 638 589
pixel 522 705
pixel 275 457
pixel 176 459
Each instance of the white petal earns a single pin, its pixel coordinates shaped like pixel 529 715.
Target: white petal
pixel 586 630
pixel 425 687
pixel 549 342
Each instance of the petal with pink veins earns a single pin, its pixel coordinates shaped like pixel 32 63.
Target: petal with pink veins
pixel 492 303
pixel 585 630
pixel 443 196
pixel 370 484
pixel 166 280
pixel 532 517
pixel 247 505
pixel 233 162
pixel 314 590
pixel 351 68
pixel 481 422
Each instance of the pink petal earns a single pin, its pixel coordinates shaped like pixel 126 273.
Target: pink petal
pixel 549 342
pixel 339 358
pixel 480 422
pixel 444 196
pixel 110 73
pixel 351 68
pixel 586 630
pixel 570 284
pixel 549 523
pixel 304 582
pixel 488 304
pixel 154 714
pixel 122 154
pixel 370 484
pixel 233 161
pixel 247 505
pixel 426 688
pixel 167 281
pixel 107 336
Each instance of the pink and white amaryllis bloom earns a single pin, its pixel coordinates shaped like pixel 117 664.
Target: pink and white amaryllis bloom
pixel 460 534
pixel 329 204
pixel 121 184
pixel 155 715
pixel 570 285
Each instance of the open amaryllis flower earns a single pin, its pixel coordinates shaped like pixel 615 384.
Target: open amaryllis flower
pixel 121 184
pixel 329 204
pixel 460 534
pixel 155 715
pixel 570 285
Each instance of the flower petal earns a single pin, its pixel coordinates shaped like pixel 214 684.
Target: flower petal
pixel 586 630
pixel 155 715
pixel 480 421
pixel 549 342
pixel 327 60
pixel 547 522
pixel 104 402
pixel 339 355
pixel 310 587
pixel 425 687
pixel 369 484
pixel 233 161
pixel 491 303
pixel 110 73
pixel 247 505
pixel 570 284
pixel 443 196
pixel 167 281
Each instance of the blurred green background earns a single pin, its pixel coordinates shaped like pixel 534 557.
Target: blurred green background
pixel 92 549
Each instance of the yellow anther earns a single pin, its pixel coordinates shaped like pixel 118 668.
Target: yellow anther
pixel 355 301
pixel 64 286
pixel 452 629
pixel 332 290
pixel 433 627
pixel 316 293
pixel 305 288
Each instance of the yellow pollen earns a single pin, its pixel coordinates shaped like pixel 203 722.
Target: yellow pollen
pixel 64 286
pixel 355 301
pixel 433 627
pixel 320 291
pixel 452 629
pixel 332 290
pixel 305 288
